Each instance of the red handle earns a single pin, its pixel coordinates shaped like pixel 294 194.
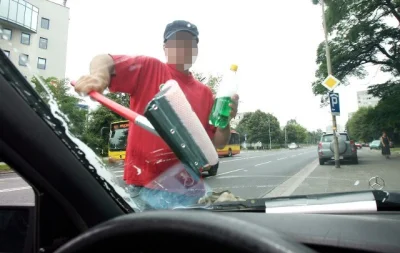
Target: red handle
pixel 117 108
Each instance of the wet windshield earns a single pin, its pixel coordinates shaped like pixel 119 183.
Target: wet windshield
pixel 226 103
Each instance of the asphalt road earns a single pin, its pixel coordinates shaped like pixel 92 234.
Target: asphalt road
pixel 253 174
pixel 250 174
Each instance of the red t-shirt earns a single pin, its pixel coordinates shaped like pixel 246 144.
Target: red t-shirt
pixel 149 161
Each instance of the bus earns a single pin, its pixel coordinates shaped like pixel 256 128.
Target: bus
pixel 117 141
pixel 233 146
pixel 119 135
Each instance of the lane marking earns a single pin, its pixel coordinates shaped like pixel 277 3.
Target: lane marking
pixel 294 155
pixel 281 158
pixel 290 185
pixel 10 178
pixel 251 157
pixel 261 164
pixel 15 189
pixel 224 173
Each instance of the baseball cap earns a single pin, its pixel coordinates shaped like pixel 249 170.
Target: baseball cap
pixel 180 26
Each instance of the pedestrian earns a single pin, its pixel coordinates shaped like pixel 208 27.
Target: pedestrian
pixel 385 141
pixel 150 165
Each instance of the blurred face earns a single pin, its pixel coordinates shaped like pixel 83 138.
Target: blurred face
pixel 181 49
pixel 384 134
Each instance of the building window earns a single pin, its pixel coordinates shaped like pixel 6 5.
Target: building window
pixel 23 59
pixel 45 24
pixel 6 52
pixel 41 64
pixel 43 43
pixel 25 38
pixel 6 34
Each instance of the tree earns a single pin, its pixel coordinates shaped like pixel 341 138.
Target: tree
pixel 211 81
pixel 256 125
pixel 295 132
pixel 361 35
pixel 101 118
pixel 68 104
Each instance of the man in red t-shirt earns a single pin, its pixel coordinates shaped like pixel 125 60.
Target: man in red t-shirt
pixel 154 175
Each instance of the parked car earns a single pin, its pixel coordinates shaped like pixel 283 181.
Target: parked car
pixel 358 145
pixel 376 144
pixel 293 146
pixel 347 148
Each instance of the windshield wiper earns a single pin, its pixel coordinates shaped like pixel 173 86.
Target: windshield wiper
pixel 362 201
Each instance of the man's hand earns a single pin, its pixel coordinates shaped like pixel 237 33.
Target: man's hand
pixel 221 137
pixel 94 82
pixel 234 105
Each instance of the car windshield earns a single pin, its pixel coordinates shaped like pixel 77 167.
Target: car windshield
pixel 211 86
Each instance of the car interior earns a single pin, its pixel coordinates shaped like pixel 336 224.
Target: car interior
pixel 76 210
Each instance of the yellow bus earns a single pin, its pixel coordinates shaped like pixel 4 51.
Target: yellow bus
pixel 117 141
pixel 119 135
pixel 233 146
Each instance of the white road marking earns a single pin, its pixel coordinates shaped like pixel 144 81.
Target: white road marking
pixel 11 178
pixel 262 163
pixel 290 185
pixel 224 173
pixel 252 157
pixel 294 155
pixel 15 189
pixel 281 158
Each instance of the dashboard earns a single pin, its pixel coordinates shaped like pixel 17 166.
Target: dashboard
pixel 361 232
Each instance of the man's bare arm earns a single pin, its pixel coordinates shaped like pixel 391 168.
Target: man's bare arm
pixel 101 69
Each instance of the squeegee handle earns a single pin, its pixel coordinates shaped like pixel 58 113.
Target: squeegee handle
pixel 121 110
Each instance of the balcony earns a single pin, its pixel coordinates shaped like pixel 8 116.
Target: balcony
pixel 19 14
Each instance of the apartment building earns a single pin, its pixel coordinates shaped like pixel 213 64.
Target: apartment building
pixel 34 36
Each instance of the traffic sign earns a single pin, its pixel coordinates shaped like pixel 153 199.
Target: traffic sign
pixel 330 82
pixel 334 101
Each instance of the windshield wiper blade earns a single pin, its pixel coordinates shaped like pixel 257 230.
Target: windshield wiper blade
pixel 361 201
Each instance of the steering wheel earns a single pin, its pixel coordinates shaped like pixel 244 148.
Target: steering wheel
pixel 180 231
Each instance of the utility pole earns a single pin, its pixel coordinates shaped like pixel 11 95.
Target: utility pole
pixel 329 66
pixel 269 131
pixel 285 137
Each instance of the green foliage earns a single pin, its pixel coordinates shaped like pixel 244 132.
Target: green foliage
pixel 368 123
pixel 75 116
pixel 101 118
pixel 211 81
pixel 360 35
pixel 295 132
pixel 257 125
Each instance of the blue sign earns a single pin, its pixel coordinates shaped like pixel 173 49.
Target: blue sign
pixel 334 101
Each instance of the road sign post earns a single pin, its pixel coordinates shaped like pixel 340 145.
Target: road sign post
pixel 330 83
pixel 334 102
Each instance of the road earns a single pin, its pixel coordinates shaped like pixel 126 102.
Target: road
pixel 251 174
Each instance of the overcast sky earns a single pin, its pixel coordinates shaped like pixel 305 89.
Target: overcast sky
pixel 273 42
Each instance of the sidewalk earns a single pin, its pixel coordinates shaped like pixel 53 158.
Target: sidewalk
pixel 353 177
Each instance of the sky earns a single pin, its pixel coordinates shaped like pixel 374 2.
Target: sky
pixel 274 44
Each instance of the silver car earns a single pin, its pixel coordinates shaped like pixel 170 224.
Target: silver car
pixel 347 148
